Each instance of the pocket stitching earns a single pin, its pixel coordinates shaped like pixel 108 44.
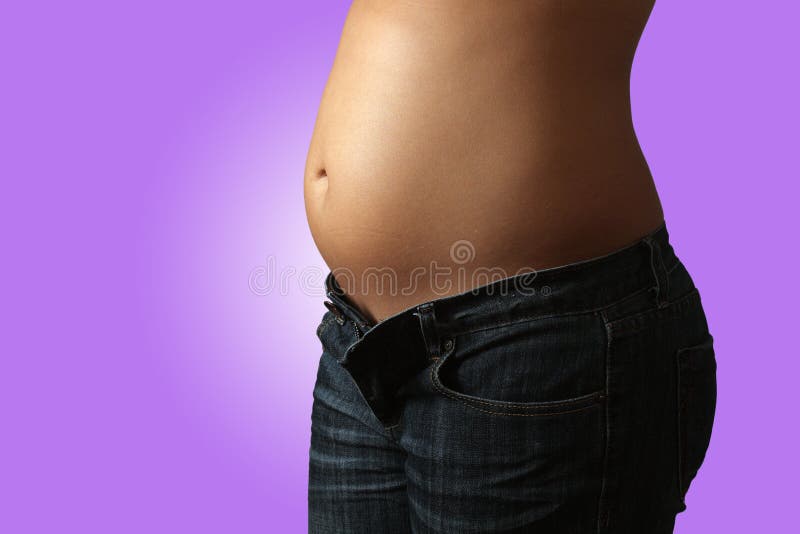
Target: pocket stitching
pixel 631 324
pixel 707 344
pixel 592 400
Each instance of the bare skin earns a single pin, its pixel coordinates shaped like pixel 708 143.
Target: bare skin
pixel 504 125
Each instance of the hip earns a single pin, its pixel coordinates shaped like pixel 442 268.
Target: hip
pixel 586 388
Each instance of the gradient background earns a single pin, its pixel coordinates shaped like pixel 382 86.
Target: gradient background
pixel 151 156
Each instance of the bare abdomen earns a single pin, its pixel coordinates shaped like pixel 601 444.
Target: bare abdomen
pixel 505 130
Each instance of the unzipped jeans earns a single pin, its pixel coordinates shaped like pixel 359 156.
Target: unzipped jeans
pixel 573 400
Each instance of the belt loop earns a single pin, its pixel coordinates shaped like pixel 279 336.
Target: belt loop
pixel 659 272
pixel 427 323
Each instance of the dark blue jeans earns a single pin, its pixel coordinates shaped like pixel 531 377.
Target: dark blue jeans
pixel 579 400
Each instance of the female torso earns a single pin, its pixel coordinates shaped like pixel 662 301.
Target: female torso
pixel 474 134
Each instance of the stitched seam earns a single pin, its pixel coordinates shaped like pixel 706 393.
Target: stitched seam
pixel 518 405
pixel 602 517
pixel 666 275
pixel 592 399
pixel 655 251
pixel 680 362
pixel 587 311
pixel 524 405
pixel 628 297
pixel 670 307
pixel 638 322
pixel 680 420
pixel 593 262
pixel 469 404
pixel 523 321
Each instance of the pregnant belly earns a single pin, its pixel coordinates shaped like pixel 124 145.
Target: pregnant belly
pixel 448 154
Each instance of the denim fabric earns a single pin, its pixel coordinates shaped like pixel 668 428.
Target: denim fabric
pixel 577 401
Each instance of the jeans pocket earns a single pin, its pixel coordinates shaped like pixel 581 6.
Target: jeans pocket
pixel 524 409
pixel 697 398
pixel 544 367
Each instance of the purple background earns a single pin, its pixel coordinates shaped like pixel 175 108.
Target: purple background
pixel 151 156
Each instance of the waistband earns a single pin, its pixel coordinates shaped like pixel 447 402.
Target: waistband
pixel 574 288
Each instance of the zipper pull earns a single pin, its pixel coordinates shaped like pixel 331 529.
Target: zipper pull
pixel 337 313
